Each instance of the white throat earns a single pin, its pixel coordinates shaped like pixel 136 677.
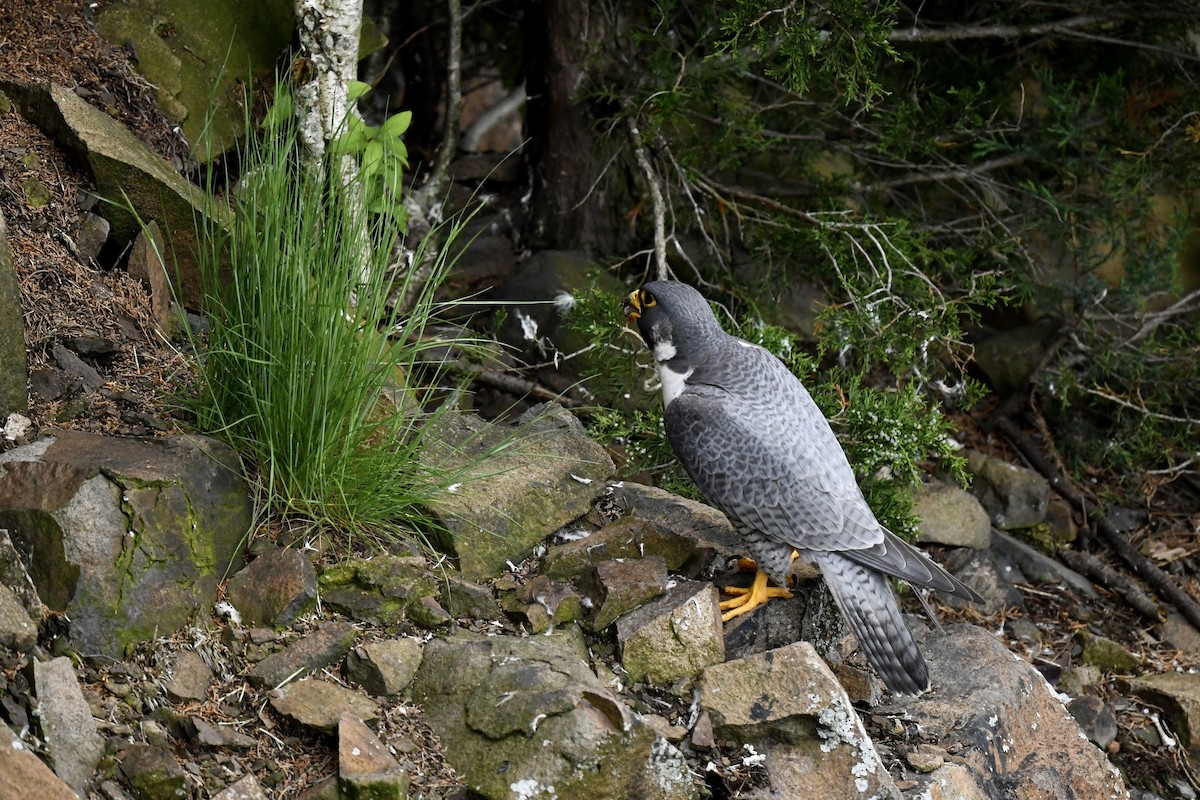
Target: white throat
pixel 673 383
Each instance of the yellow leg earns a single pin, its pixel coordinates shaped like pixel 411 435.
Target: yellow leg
pixel 746 600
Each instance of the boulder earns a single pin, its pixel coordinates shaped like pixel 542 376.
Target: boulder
pixel 1015 497
pixel 1019 740
pixel 325 646
pixel 127 536
pixel 789 709
pixel 498 509
pixel 365 767
pixel 1178 695
pixel 673 637
pixel 274 588
pixel 950 515
pixel 528 718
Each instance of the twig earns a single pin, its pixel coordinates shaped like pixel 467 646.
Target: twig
pixel 656 200
pixel 1158 580
pixel 1101 573
pixel 961 32
pixel 512 384
pixel 1112 398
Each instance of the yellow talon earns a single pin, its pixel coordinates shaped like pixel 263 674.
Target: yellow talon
pixel 746 600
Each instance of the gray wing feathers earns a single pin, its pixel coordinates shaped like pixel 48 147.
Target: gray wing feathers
pixel 898 558
pixel 871 611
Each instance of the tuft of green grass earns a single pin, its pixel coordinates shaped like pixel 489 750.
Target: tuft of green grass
pixel 308 370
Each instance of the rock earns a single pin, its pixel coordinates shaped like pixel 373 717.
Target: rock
pixel 539 479
pixel 17 429
pixel 673 637
pixel 624 538
pixel 994 576
pixel 384 668
pixel 206 734
pixel 200 68
pixel 703 524
pixel 951 782
pixel 125 172
pixel 17 631
pixel 621 585
pixel 15 577
pixel 1096 719
pixel 75 366
pixel 365 767
pixel 68 730
pixel 1039 567
pixel 274 588
pixel 153 773
pixel 1020 742
pixel 383 590
pixel 14 366
pixel 245 788
pixel 1105 654
pixel 787 705
pixel 1015 497
pixel 544 603
pixel 1180 633
pixel 950 515
pixel 324 647
pixel 127 536
pixel 518 716
pixel 190 677
pixel 810 614
pixel 320 704
pixel 23 775
pixel 1178 695
pixel 90 237
pixel 148 266
pixel 463 599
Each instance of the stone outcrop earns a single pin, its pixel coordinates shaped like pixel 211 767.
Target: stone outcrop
pixel 129 537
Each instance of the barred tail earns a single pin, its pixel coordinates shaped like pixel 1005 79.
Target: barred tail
pixel 873 615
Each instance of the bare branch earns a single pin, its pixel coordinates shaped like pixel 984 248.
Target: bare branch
pixel 656 199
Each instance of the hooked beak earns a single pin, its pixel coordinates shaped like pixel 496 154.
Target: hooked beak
pixel 633 307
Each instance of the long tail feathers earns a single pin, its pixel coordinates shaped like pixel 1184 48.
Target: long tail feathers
pixel 870 608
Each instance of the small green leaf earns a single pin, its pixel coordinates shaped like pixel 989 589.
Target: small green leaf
pixel 356 89
pixel 396 124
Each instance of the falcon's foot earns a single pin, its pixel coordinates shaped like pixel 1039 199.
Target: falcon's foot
pixel 746 600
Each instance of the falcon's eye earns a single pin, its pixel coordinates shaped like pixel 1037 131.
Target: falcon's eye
pixel 646 299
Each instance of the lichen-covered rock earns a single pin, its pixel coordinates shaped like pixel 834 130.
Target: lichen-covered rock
pixel 514 486
pixel 528 718
pixel 200 68
pixel 788 707
pixel 128 536
pixel 673 637
pixel 384 590
pixel 1014 734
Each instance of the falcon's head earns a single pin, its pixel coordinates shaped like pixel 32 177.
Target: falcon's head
pixel 674 319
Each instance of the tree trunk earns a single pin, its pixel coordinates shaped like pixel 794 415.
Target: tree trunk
pixel 580 199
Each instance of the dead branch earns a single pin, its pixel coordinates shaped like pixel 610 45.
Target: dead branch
pixel 1088 564
pixel 1158 580
pixel 656 199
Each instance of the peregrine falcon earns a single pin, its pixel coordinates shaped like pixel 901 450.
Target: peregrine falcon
pixel 758 448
